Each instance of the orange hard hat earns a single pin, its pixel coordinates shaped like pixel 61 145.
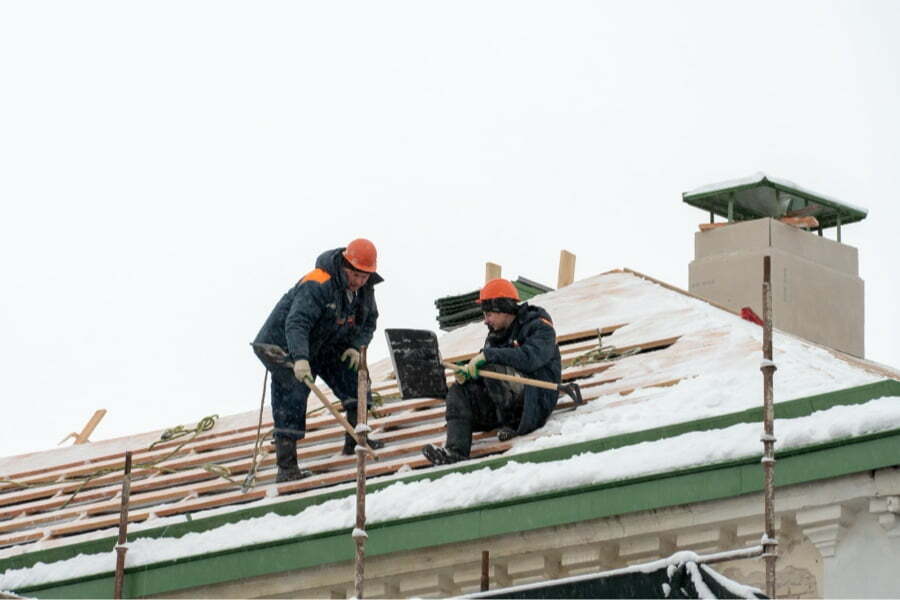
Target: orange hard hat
pixel 362 255
pixel 498 288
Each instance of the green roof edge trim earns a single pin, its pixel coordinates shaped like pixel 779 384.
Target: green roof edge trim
pixel 849 214
pixel 788 409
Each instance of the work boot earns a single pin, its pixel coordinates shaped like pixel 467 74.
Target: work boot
pixel 286 459
pixel 350 443
pixel 441 456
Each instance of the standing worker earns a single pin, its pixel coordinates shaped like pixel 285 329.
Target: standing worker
pixel 321 323
pixel 521 341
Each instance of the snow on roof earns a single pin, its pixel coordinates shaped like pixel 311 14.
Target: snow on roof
pixel 691 360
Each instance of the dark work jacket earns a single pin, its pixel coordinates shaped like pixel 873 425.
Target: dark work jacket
pixel 529 346
pixel 315 316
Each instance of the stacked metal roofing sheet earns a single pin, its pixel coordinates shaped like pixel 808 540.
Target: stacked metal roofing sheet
pixel 456 311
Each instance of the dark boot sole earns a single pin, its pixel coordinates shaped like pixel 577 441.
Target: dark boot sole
pixel 439 456
pixel 373 445
pixel 283 477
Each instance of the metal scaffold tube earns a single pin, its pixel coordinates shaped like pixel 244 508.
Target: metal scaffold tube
pixel 770 544
pixel 359 532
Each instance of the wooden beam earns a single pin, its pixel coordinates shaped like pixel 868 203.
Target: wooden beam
pixel 799 222
pixel 491 271
pixel 566 273
pixel 83 437
pixel 85 434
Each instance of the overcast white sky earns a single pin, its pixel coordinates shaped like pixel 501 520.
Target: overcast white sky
pixel 169 169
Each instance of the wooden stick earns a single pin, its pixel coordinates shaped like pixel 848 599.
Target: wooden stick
pixel 485 570
pixel 801 222
pixel 83 437
pixel 491 271
pixel 121 548
pixel 504 377
pixel 91 425
pixel 566 274
pixel 335 413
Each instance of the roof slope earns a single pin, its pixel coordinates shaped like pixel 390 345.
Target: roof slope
pixel 677 359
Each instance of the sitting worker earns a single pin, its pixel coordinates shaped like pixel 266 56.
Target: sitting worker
pixel 521 341
pixel 321 323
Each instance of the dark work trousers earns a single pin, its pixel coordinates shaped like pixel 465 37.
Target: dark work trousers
pixel 289 396
pixel 482 405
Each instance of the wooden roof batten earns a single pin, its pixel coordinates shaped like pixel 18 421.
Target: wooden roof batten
pixel 190 488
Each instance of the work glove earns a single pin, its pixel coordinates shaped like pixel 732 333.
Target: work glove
pixel 351 355
pixel 471 369
pixel 302 370
pixel 504 434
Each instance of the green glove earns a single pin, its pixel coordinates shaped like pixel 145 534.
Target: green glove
pixel 351 355
pixel 477 361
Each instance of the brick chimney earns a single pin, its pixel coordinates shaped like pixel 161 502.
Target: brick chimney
pixel 817 293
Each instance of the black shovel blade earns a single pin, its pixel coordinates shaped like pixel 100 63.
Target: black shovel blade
pixel 417 363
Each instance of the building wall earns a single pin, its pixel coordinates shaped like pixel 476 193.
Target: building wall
pixel 837 539
pixel 866 563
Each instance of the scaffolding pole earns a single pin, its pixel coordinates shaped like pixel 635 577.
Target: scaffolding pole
pixel 121 545
pixel 362 447
pixel 770 544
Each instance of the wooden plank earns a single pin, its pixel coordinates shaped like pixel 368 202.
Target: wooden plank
pixel 576 349
pixel 627 389
pixel 84 436
pixel 20 538
pixel 378 469
pixel 569 375
pixel 491 271
pixel 799 222
pixel 91 524
pixel 56 502
pixel 566 271
pixel 643 347
pixel 667 383
pixel 207 503
pixel 599 382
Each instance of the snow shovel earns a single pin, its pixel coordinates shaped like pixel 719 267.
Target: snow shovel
pixel 420 370
pixel 277 355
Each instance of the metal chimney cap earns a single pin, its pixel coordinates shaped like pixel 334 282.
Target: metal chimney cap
pixel 760 195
